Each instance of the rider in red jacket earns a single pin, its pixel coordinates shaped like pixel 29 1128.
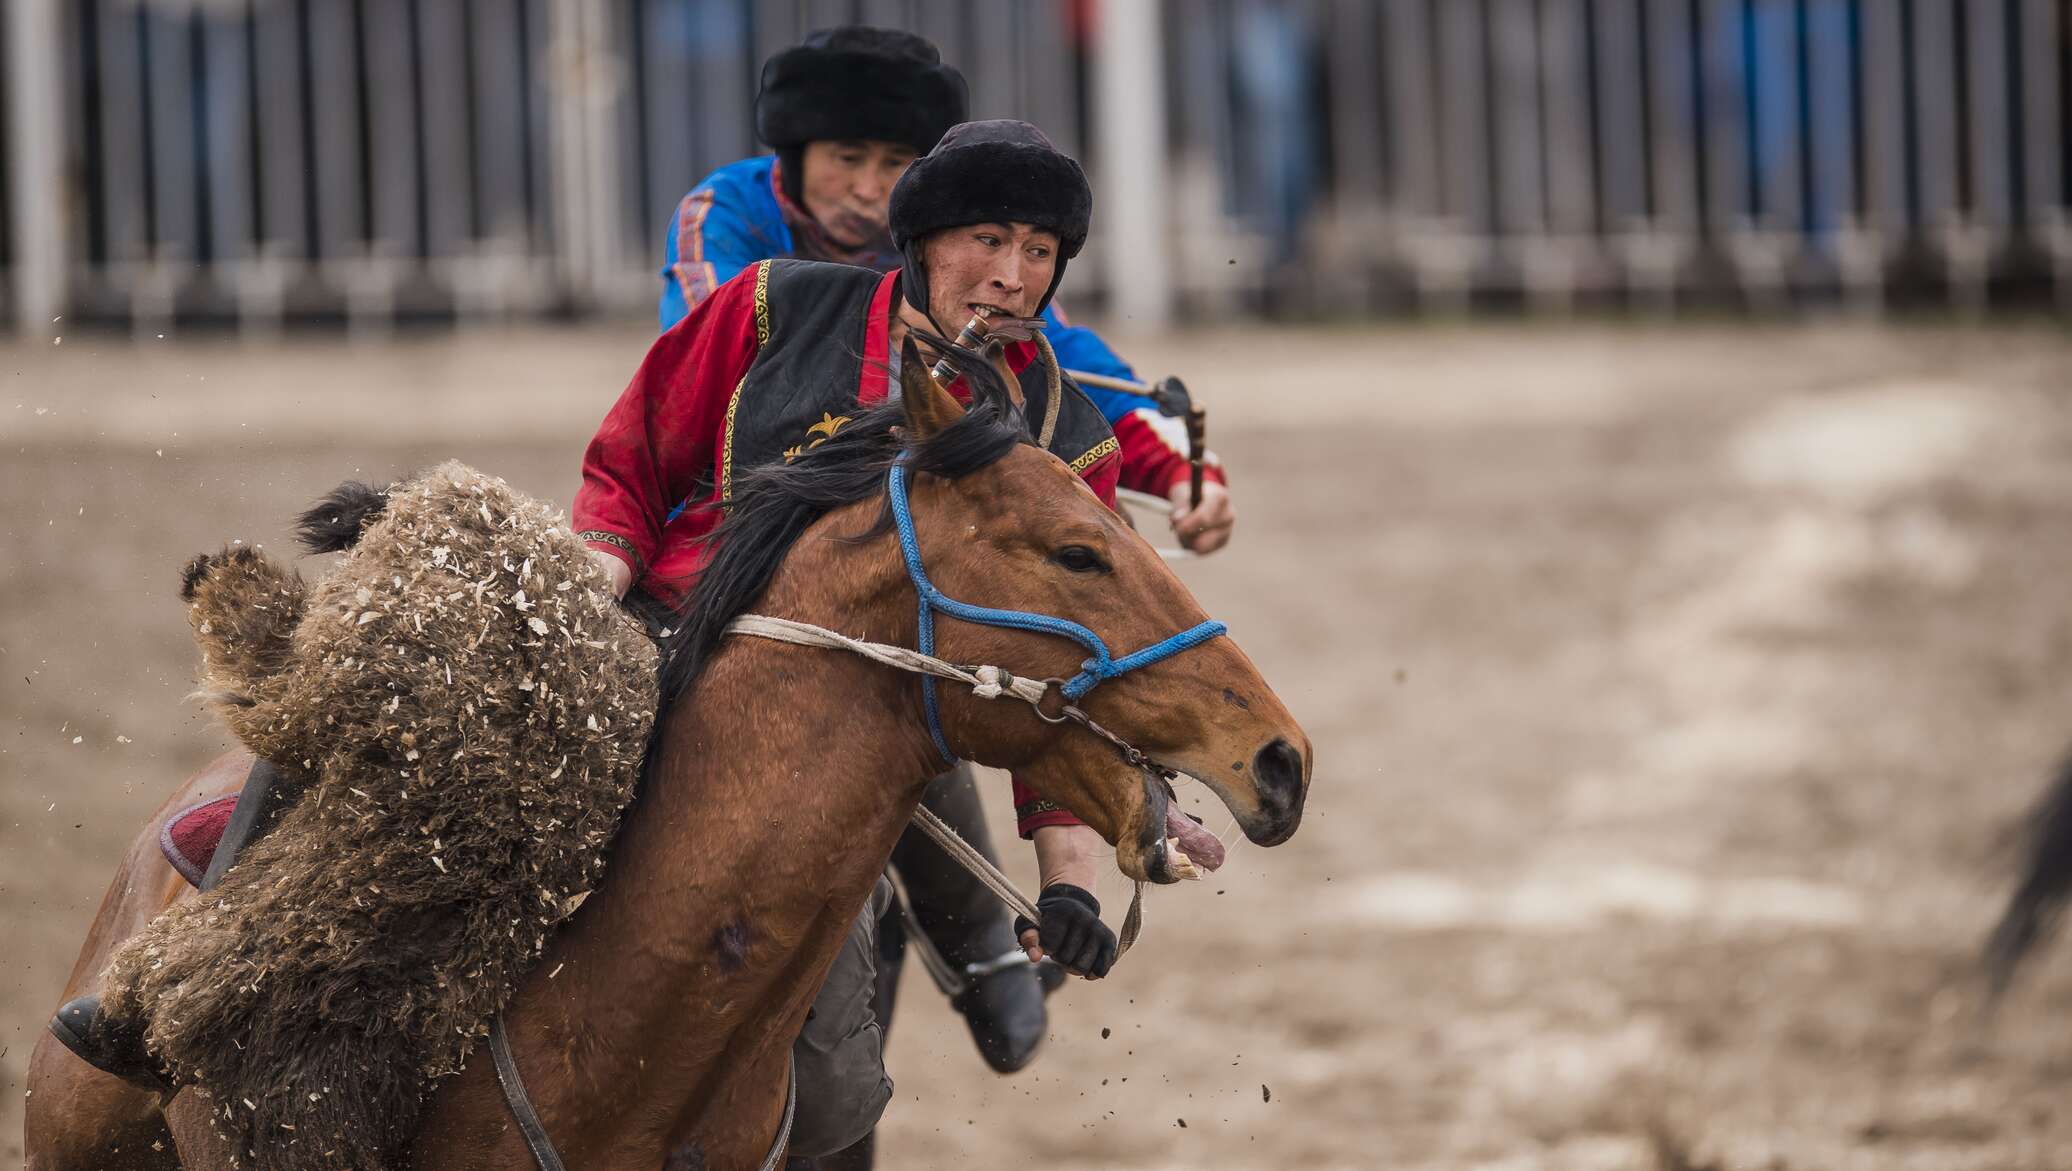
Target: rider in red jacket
pixel 782 355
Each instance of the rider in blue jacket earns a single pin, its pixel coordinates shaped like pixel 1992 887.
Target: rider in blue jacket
pixel 846 112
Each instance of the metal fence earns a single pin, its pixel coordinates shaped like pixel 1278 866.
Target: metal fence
pixel 1754 151
pixel 261 161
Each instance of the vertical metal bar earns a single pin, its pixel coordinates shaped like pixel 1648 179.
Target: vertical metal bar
pixel 1565 100
pixel 2042 127
pixel 35 109
pixel 938 20
pixel 776 26
pixel 1773 135
pixel 499 157
pixel 826 13
pixel 564 69
pixel 1726 123
pixel 341 223
pixel 1354 40
pixel 535 121
pixel 74 129
pixel 1992 154
pixel 1129 71
pixel 1464 88
pixel 666 38
pixel 1413 147
pixel 1884 121
pixel 991 69
pixel 1672 99
pixel 393 121
pixel 170 114
pixel 726 86
pixel 443 49
pixel 1514 49
pixel 122 135
pixel 1933 94
pixel 282 149
pixel 1045 66
pixel 1621 101
pixel 582 72
pixel 1832 102
pixel 227 105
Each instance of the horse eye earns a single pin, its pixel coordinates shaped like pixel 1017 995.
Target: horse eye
pixel 1080 559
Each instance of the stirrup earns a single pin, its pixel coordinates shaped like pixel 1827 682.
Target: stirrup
pixel 974 972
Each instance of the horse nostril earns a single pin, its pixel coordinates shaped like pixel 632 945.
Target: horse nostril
pixel 1278 767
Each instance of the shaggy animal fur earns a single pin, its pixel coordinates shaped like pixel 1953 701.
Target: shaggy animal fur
pixel 466 708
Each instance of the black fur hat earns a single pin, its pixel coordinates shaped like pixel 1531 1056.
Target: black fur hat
pixel 858 82
pixel 996 171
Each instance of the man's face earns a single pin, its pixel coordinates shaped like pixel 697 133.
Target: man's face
pixel 848 186
pixel 1002 267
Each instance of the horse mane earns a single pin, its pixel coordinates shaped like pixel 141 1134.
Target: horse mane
pixel 774 503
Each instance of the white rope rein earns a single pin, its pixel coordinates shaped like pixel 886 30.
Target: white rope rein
pixel 981 867
pixel 986 683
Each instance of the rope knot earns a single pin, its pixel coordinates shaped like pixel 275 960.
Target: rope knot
pixel 992 682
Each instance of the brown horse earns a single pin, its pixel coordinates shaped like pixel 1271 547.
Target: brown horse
pixel 656 1031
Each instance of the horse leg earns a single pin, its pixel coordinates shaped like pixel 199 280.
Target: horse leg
pixel 77 1118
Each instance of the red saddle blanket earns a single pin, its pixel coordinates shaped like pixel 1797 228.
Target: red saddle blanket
pixel 189 838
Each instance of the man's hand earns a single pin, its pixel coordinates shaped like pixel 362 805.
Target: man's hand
pixel 1207 528
pixel 1072 931
pixel 1068 857
pixel 616 569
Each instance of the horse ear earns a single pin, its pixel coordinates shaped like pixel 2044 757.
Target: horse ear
pixel 929 408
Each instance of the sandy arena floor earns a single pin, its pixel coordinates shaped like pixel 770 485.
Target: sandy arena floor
pixel 1672 691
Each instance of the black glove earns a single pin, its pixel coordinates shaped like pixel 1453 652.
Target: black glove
pixel 1072 931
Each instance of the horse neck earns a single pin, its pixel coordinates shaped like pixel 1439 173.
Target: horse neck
pixel 786 775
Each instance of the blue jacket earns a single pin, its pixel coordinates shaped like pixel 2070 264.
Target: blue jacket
pixel 731 219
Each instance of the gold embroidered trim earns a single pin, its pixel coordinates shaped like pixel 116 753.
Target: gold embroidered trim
pixel 1094 453
pixel 617 542
pixel 762 305
pixel 762 338
pixel 1028 809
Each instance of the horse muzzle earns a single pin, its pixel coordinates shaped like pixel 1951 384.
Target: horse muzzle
pixel 1280 782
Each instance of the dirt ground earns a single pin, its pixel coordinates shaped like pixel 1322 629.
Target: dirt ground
pixel 1672 690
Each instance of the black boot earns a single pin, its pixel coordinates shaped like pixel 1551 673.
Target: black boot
pixel 1004 1007
pixel 120 1051
pixel 1002 1000
pixel 96 1040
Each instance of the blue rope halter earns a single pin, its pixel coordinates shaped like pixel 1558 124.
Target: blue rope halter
pixel 1092 672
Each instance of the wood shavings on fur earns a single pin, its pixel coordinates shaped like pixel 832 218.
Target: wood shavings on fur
pixel 485 787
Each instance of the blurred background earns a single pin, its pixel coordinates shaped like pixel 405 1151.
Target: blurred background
pixel 247 162
pixel 1647 421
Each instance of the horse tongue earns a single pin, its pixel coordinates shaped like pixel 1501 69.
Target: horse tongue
pixel 1203 847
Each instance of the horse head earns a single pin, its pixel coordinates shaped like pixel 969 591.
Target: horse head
pixel 1024 533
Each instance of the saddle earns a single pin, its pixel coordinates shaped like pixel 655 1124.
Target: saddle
pixel 188 839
